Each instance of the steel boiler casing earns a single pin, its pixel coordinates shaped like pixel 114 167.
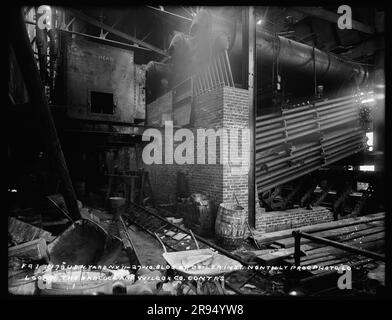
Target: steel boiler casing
pixel 102 82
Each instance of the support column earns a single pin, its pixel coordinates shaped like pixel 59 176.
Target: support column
pixel 28 67
pixel 249 82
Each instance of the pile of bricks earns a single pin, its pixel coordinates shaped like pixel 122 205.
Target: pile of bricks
pixel 292 218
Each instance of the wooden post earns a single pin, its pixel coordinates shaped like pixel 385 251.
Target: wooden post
pixel 24 55
pixel 249 82
pixel 297 248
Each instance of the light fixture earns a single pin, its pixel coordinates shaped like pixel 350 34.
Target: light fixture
pixel 370 100
pixel 367 168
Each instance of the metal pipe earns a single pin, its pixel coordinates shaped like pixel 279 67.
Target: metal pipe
pixel 346 143
pixel 326 143
pixel 304 170
pixel 295 172
pixel 353 142
pixel 342 156
pixel 340 133
pixel 306 112
pixel 338 151
pixel 328 124
pixel 305 133
pixel 297 109
pixel 331 117
pixel 297 248
pixel 318 104
pixel 276 181
pixel 294 56
pixel 342 246
pixel 325 118
pixel 269 127
pixel 286 152
pixel 309 159
pixel 352 104
pixel 268 116
pixel 295 155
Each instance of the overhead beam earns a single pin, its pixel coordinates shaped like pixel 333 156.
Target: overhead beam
pixel 70 23
pixel 366 48
pixel 113 25
pixel 121 34
pixel 170 13
pixel 333 17
pixel 110 42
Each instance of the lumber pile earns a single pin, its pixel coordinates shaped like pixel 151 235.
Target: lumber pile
pixel 34 250
pixel 266 238
pixel 21 232
pixel 366 232
pixel 26 244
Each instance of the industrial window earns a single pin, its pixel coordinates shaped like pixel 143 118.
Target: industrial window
pixel 101 102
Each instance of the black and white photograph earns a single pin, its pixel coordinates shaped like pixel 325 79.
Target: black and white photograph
pixel 194 150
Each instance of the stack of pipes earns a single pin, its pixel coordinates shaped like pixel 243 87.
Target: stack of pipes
pixel 304 139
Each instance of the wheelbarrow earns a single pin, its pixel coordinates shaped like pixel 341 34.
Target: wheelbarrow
pixel 199 262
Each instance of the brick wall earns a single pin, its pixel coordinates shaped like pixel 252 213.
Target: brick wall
pixel 224 107
pixel 292 218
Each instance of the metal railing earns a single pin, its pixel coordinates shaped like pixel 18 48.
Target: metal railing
pixel 297 234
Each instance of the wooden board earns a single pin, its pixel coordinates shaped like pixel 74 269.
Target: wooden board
pixel 333 253
pixel 371 242
pixel 24 232
pixel 34 250
pixel 274 256
pixel 340 234
pixel 264 238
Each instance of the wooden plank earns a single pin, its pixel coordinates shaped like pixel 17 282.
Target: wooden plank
pixel 273 236
pixel 23 232
pixel 317 254
pixel 374 245
pixel 274 256
pixel 319 259
pixel 34 250
pixel 263 251
pixel 353 242
pixel 336 253
pixel 319 272
pixel 340 234
pixel 373 242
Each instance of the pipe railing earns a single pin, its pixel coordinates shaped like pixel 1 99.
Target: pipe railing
pixel 297 234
